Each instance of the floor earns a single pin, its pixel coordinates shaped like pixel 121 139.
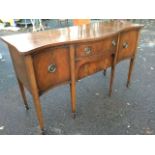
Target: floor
pixel 129 111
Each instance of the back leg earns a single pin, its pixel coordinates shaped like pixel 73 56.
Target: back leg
pixel 104 72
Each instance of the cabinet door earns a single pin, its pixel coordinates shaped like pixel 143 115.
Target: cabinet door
pixel 52 67
pixel 128 44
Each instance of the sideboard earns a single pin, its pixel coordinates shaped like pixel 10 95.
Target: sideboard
pixel 44 60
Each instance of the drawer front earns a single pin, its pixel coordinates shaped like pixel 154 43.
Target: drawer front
pixel 128 44
pixel 89 66
pixel 51 67
pixel 96 47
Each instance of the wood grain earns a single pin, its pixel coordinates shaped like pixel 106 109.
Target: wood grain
pixel 34 90
pixel 57 56
pixel 44 60
pixel 31 42
pixel 73 80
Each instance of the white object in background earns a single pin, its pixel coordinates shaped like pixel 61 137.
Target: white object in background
pixel 37 25
pixel 11 28
pixel 1 127
pixel 1 57
pixel 1 26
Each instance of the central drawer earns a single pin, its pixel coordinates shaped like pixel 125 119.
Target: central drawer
pixel 92 57
pixel 96 47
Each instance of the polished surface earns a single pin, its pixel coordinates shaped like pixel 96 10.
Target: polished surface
pixel 28 42
pixel 47 59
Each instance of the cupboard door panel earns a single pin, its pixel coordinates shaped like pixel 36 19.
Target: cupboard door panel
pixel 52 67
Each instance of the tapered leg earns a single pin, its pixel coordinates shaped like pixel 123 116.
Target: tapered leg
pixel 73 98
pixel 21 87
pixel 111 80
pixel 34 90
pixel 104 72
pixel 73 81
pixel 130 71
pixel 38 110
pixel 115 55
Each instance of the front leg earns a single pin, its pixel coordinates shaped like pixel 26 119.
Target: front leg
pixel 73 99
pixel 73 81
pixel 34 90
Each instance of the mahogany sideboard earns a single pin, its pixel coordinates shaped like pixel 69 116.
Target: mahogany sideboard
pixel 43 60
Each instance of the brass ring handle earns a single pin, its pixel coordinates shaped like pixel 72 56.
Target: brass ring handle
pixel 125 45
pixel 87 50
pixel 114 43
pixel 52 68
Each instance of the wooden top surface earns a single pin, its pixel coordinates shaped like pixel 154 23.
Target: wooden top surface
pixel 28 42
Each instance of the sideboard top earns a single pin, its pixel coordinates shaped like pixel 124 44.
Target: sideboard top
pixel 25 43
